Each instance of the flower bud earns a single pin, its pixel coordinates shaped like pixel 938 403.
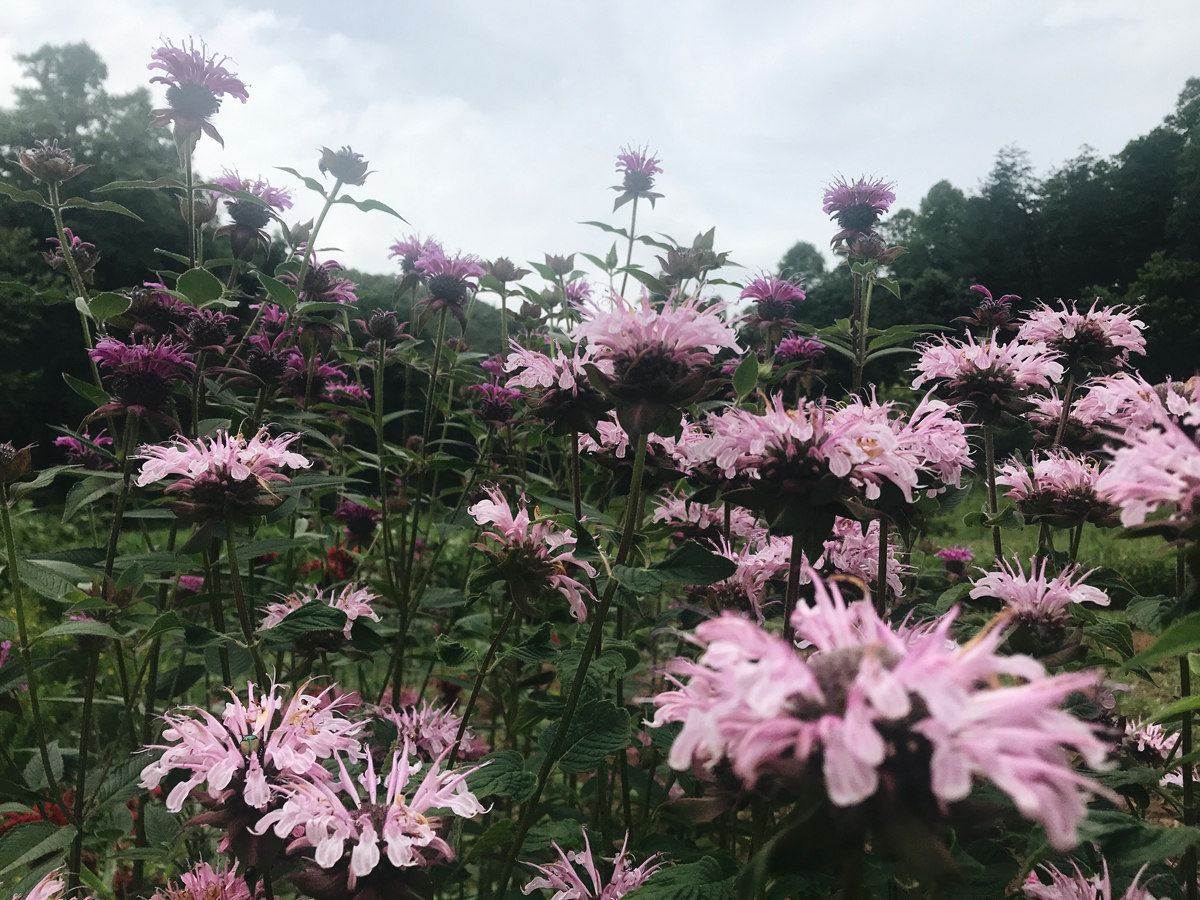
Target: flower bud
pixel 14 463
pixel 47 162
pixel 345 165
pixel 561 265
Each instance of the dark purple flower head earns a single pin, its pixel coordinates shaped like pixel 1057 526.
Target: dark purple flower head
pixel 196 82
pixel 141 375
pixel 775 300
pixel 208 329
pixel 359 521
pixel 504 269
pixel 189 586
pixel 345 165
pixel 638 167
pixel 448 280
pixel 266 360
pixel 276 198
pixel 802 351
pixel 383 326
pixel 578 292
pixel 956 559
pixel 992 313
pixel 154 312
pixel 495 403
pixel 857 205
pixel 85 255
pixel 315 381
pixel 82 450
pixel 47 162
pixel 493 365
pixel 413 248
pixel 322 284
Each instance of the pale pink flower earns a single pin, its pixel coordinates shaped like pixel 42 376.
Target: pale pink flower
pixel 758 563
pixel 203 882
pixel 863 692
pixel 354 602
pixel 1056 486
pixel 1079 887
pixel 430 731
pixel 336 817
pixel 542 548
pixel 1153 739
pixel 1156 466
pixel 1102 336
pixel 532 370
pixel 679 453
pixel 1036 596
pixel 563 876
pixel 222 459
pixel 50 887
pixel 276 198
pixel 935 435
pixel 699 520
pixel 852 552
pixel 252 745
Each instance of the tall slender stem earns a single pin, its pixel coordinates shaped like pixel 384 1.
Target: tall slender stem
pixel 75 276
pixel 629 252
pixel 529 813
pixel 881 584
pixel 793 587
pixel 484 670
pixel 132 424
pixel 190 185
pixel 431 392
pixel 1065 415
pixel 503 320
pixel 85 734
pixel 860 356
pixel 239 596
pixel 1188 864
pixel 381 449
pixel 989 444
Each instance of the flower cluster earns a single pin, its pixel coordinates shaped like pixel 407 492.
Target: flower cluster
pixel 1058 488
pixel 354 602
pixel 1101 338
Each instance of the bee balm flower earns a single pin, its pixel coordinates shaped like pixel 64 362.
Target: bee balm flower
pixel 196 82
pixel 563 876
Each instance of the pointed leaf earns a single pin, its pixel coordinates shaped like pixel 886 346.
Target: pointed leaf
pixel 745 377
pixel 23 196
pixel 107 304
pixel 369 205
pixel 165 181
pixel 104 206
pixel 311 183
pixel 279 292
pixel 199 286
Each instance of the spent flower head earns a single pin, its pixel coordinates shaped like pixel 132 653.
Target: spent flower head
pixel 47 162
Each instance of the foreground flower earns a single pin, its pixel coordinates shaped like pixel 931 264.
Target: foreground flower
pixel 1079 887
pixel 203 882
pixel 196 82
pixel 990 377
pixel 1058 488
pixel 1099 339
pixel 1037 598
pixel 351 834
pixel 47 162
pixel 637 166
pixel 245 754
pixel 888 721
pixel 857 206
pixel 563 877
pixel 430 731
pixel 142 375
pixel 354 602
pixel 531 555
pixel 223 474
pixel 661 358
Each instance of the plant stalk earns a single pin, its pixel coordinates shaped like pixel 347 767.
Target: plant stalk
pixel 989 444
pixel 239 596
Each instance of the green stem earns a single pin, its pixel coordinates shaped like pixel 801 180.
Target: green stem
pixel 503 321
pixel 189 180
pixel 1065 415
pixel 132 424
pixel 381 449
pixel 881 585
pixel 216 611
pixel 308 248
pixel 239 596
pixel 484 670
pixel 1188 863
pixel 585 659
pixel 860 357
pixel 85 733
pixel 433 373
pixel 989 444
pixel 75 276
pixel 629 253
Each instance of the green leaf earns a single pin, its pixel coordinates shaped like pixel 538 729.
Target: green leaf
pixel 310 617
pixel 1134 841
pixel 503 775
pixel 21 196
pixel 279 292
pixel 369 205
pixel 131 579
pixel 892 287
pixel 86 492
pixel 86 390
pixel 702 880
pixel 452 653
pixel 35 775
pixel 44 477
pixel 98 629
pixel 311 183
pixel 745 377
pixel 1151 614
pixel 690 564
pixel 653 284
pixel 1008 517
pixel 103 206
pixel 44 580
pixel 603 227
pixel 1182 637
pixel 107 304
pixel 25 844
pixel 165 181
pixel 200 286
pixel 442 598
pixel 1171 710
pixel 1116 635
pixel 598 730
pixel 538 648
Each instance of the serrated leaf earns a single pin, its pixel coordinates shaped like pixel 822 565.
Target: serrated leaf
pixel 1151 614
pixel 199 286
pixel 86 492
pixel 86 390
pixel 105 305
pixel 598 730
pixel 168 623
pixel 74 629
pixel 15 193
pixel 443 598
pixel 43 478
pixel 702 880
pixel 690 564
pixel 103 206
pixel 370 205
pixel 25 848
pixel 280 293
pixel 652 283
pixel 313 616
pixel 1133 841
pixel 503 775
pixel 538 648
pixel 44 580
pixel 1112 634
pixel 745 376
pixel 452 653
pixel 165 181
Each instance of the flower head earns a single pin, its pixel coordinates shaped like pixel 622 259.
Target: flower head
pixel 854 550
pixel 208 329
pixel 1037 598
pixel 449 282
pixel 801 353
pixel 661 358
pixel 567 400
pixel 1155 467
pixel 637 166
pixel 84 255
pixel 276 198
pixel 857 205
pixel 412 249
pixel 1099 339
pixel 47 162
pixel 354 602
pixel 345 165
pixel 1058 488
pixel 141 375
pixel 322 284
pixel 1079 887
pixel 956 559
pixel 532 554
pixel 884 718
pixel 84 450
pixel 359 520
pixel 196 83
pixel 991 312
pixel 496 403
pixel 222 474
pixel 49 887
pixel 701 522
pixel 203 882
pixel 577 293
pixel 430 730
pixel 563 875
pixel 774 299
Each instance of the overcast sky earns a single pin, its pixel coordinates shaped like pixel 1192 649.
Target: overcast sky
pixel 494 125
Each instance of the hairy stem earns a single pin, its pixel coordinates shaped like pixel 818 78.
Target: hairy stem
pixel 989 444
pixel 484 670
pixel 629 252
pixel 244 616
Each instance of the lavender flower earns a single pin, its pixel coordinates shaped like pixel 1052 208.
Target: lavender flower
pixel 495 403
pixel 857 206
pixel 1058 488
pixel 1099 339
pixel 322 284
pixel 431 731
pixel 1036 598
pixel 956 559
pixel 567 401
pixel 991 313
pixel 46 162
pixel 84 255
pixel 637 167
pixel 449 282
pixel 563 877
pixel 360 521
pixel 354 602
pixel 775 301
pixel 141 375
pixel 84 450
pixel 276 198
pixel 196 82
pixel 1079 887
pixel 412 249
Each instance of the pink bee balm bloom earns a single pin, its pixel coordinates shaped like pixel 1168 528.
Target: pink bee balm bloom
pixel 448 279
pixel 354 602
pixel 141 375
pixel 1035 596
pixel 203 882
pixel 1154 742
pixel 414 248
pixel 864 692
pixel 853 552
pixel 990 376
pixel 638 166
pixel 196 82
pixel 1079 887
pixel 276 198
pixel 1100 337
pixel 774 299
pixel 532 370
pixel 758 562
pixel 577 292
pixel 49 887
pixel 956 559
pixel 496 406
pixel 857 205
pixel 431 730
pixel 322 284
pixel 563 877
pixel 1057 487
pixel 253 745
pixel 336 819
pixel 1156 466
pixel 540 549
pixel 702 522
pixel 678 454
